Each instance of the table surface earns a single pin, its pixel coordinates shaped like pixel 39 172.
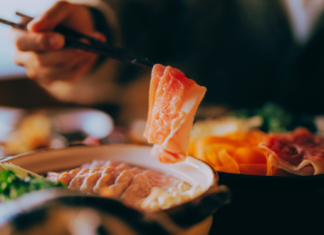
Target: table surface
pixel 271 212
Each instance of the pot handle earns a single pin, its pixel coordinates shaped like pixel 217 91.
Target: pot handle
pixel 201 207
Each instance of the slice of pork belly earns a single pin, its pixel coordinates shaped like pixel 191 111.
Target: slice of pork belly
pixel 173 102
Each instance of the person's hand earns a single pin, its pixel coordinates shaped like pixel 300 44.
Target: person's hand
pixel 41 51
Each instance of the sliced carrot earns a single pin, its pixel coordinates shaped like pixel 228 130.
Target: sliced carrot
pixel 222 161
pixel 237 151
pixel 253 169
pixel 249 155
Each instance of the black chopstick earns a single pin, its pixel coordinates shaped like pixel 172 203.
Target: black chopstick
pixel 75 44
pixel 73 41
pixel 24 16
pixel 18 26
pixel 67 31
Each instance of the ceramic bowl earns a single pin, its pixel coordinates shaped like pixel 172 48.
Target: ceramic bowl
pixel 190 217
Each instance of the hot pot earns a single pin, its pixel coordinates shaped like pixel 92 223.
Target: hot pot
pixel 192 217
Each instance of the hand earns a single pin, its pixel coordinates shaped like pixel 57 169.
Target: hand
pixel 41 51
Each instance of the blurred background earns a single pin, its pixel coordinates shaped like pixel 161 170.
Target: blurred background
pixel 16 90
pixel 261 62
pixel 30 118
pixel 8 70
pixel 246 53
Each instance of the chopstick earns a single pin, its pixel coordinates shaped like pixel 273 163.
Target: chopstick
pixel 24 16
pixel 67 31
pixel 18 26
pixel 73 41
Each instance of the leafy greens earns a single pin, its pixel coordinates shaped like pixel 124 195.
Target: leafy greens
pixel 11 186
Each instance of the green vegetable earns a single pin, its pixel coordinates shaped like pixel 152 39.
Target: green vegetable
pixel 277 119
pixel 11 186
pixel 20 172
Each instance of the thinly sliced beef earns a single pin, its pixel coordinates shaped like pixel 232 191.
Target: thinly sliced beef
pixel 299 152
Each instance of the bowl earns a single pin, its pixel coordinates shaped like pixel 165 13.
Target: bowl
pixel 190 217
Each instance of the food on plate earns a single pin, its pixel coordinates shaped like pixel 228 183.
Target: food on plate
pixel 33 132
pixel 277 119
pixel 134 186
pixel 223 125
pixel 236 152
pixel 20 172
pixel 173 102
pixel 13 185
pixel 299 152
pixel 230 144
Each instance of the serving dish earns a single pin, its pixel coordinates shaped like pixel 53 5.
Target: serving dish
pixel 57 211
pixel 196 212
pixel 273 183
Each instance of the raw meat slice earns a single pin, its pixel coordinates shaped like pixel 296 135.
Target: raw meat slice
pixel 136 170
pixel 121 183
pixel 299 152
pixel 108 178
pixel 139 189
pixel 77 181
pixel 53 176
pixel 173 102
pixel 132 185
pixel 111 163
pixel 160 180
pixel 89 183
pixel 121 167
pixel 65 177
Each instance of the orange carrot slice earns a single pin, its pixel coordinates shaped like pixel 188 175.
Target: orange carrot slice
pixel 222 161
pixel 249 155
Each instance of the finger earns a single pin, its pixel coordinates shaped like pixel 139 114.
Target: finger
pixel 25 59
pixel 59 57
pixel 73 65
pixel 47 75
pixel 24 21
pixel 61 71
pixel 25 41
pixel 83 67
pixel 51 18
